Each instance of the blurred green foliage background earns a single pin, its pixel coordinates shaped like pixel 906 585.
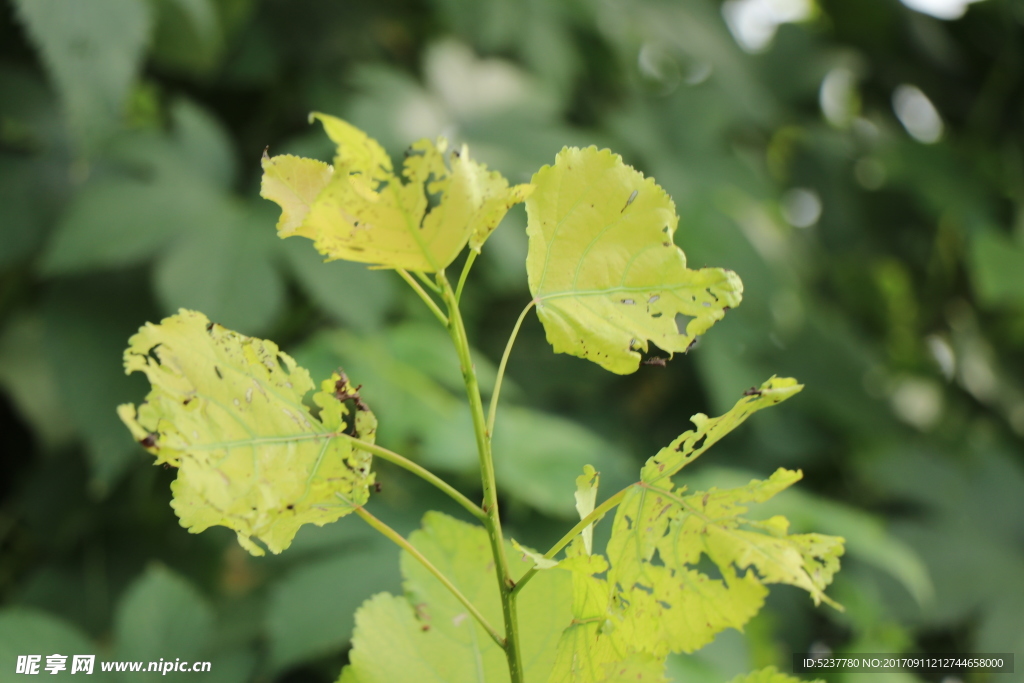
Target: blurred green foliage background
pixel 859 164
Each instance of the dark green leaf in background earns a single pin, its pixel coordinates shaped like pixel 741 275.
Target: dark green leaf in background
pixel 189 35
pixel 204 144
pixel 29 380
pixel 92 52
pixel 28 632
pixel 307 614
pixel 997 267
pixel 162 616
pixel 350 292
pixel 85 322
pixel 149 194
pixel 227 270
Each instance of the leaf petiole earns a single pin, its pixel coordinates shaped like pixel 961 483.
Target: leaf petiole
pixel 431 285
pixel 421 472
pixel 402 543
pixel 493 408
pixel 431 304
pixel 465 274
pixel 598 512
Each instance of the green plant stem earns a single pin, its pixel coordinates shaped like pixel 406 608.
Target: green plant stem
pixel 430 284
pixel 457 329
pixel 421 472
pixel 431 304
pixel 598 512
pixel 493 409
pixel 411 549
pixel 465 274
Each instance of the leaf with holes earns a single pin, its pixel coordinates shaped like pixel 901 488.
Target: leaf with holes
pixel 666 599
pixel 362 210
pixel 589 650
pixel 655 592
pixel 227 410
pixel 604 269
pixel 688 446
pixel 294 184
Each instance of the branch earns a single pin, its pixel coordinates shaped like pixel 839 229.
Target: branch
pixel 431 304
pixel 465 273
pixel 493 409
pixel 419 471
pixel 598 512
pixel 457 330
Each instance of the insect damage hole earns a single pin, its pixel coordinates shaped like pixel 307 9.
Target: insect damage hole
pixel 706 566
pixel 154 355
pixel 682 322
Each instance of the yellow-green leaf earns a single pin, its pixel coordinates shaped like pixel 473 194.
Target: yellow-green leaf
pixel 294 183
pixel 689 445
pixel 495 199
pixel 604 269
pixel 590 649
pixel 673 605
pixel 636 668
pixel 427 636
pixel 654 596
pixel 362 210
pixel 768 674
pixel 227 410
pixel 584 651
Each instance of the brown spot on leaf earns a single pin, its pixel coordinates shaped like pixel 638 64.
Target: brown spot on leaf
pixel 343 391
